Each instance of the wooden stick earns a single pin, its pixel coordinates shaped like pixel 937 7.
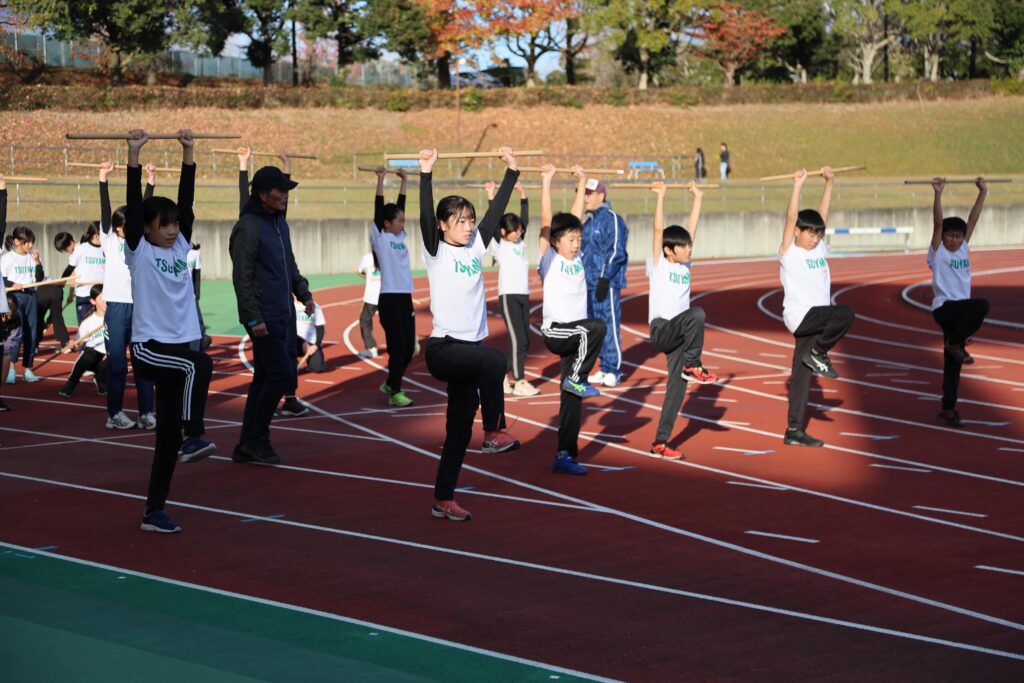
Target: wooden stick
pixel 477 186
pixel 264 154
pixel 309 354
pixel 58 281
pixel 23 179
pixel 959 181
pixel 370 169
pixel 82 164
pixel 820 171
pixel 151 136
pixel 668 186
pixel 594 171
pixel 462 155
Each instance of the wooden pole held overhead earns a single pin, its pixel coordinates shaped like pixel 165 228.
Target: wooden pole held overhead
pixel 820 171
pixel 462 155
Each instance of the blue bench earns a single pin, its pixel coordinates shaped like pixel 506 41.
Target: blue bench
pixel 404 163
pixel 638 167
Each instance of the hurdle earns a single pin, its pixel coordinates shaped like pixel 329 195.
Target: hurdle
pixel 904 230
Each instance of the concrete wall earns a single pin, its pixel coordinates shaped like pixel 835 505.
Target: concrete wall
pixel 335 246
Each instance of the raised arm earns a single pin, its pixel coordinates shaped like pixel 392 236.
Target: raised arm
pixel 133 226
pixel 187 184
pixel 826 194
pixel 3 210
pixel 150 180
pixel 428 221
pixel 938 185
pixel 799 178
pixel 979 203
pixel 581 191
pixel 694 220
pixel 244 154
pixel 658 189
pixel 106 168
pixel 488 227
pixel 378 199
pixel 524 206
pixel 547 174
pixel 402 188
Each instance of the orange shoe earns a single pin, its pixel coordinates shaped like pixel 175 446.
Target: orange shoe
pixel 451 510
pixel 663 450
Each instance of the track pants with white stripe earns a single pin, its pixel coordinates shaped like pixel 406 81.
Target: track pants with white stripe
pixel 682 340
pixel 821 328
pixel 181 378
pixel 474 373
pixel 515 309
pixel 578 344
pixel 609 312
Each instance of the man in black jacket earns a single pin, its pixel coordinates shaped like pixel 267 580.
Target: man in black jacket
pixel 265 277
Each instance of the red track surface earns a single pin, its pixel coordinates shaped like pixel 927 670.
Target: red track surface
pixel 625 573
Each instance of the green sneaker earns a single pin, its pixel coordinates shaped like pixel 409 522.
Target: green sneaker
pixel 399 399
pixel 385 389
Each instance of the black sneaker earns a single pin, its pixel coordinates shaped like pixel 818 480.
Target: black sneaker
pixel 206 342
pixel 293 408
pixel 66 390
pixel 951 417
pixel 3 406
pixel 238 455
pixel 958 353
pixel 819 364
pixel 101 387
pixel 260 450
pixel 798 437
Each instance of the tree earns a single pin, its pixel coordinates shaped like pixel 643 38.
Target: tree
pixel 1005 43
pixel 206 25
pixel 526 27
pixel 807 48
pixel 399 26
pixel 733 37
pixel 866 31
pixel 938 25
pixel 576 40
pixel 128 29
pixel 642 33
pixel 453 27
pixel 340 20
pixel 266 25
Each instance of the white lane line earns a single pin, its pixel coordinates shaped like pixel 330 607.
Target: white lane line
pixel 606 436
pixel 774 382
pixel 782 536
pixel 999 569
pixel 897 467
pixel 951 512
pixel 603 409
pixel 716 398
pixel 759 486
pixel 744 451
pixel 733 423
pixel 874 437
pixel 912 381
pixel 886 374
pixel 1012 450
pixel 318 381
pixel 349 620
pixel 986 423
pixel 772 355
pixel 724 351
pixel 543 403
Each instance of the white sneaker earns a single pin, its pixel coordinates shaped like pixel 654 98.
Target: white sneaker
pixel 610 379
pixel 524 388
pixel 368 353
pixel 31 376
pixel 506 386
pixel 120 421
pixel 596 378
pixel 147 421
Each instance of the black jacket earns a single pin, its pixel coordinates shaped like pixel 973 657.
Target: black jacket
pixel 264 272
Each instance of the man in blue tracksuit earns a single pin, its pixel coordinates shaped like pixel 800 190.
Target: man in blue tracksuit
pixel 604 262
pixel 265 277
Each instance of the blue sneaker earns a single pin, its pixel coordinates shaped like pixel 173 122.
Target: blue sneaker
pixel 566 464
pixel 195 449
pixel 158 521
pixel 581 389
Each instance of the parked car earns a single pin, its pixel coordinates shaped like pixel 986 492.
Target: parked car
pixel 477 79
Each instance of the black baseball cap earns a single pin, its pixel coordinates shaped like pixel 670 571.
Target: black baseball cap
pixel 271 178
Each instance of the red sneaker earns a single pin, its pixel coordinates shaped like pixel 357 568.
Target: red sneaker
pixel 498 442
pixel 699 375
pixel 451 510
pixel 663 450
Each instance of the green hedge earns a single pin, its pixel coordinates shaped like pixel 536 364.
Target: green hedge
pixel 250 95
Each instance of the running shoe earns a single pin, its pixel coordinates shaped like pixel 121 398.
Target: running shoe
pixel 951 417
pixel 195 449
pixel 366 354
pixel 499 442
pixel 293 408
pixel 101 387
pixel 566 464
pixel 524 388
pixel 699 374
pixel 596 378
pixel 798 437
pixel 256 450
pixel 31 376
pixel 506 386
pixel 120 421
pixel 583 390
pixel 147 421
pixel 3 406
pixel 66 390
pixel 663 450
pixel 11 376
pixel 820 364
pixel 158 521
pixel 449 509
pixel 399 400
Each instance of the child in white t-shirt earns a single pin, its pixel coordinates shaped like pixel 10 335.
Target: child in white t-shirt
pixel 94 350
pixel 90 264
pixel 567 331
pixel 806 306
pixel 453 249
pixel 309 352
pixel 677 329
pixel 369 270
pixel 514 288
pixel 954 310
pixel 21 266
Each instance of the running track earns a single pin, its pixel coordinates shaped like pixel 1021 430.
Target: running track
pixel 895 552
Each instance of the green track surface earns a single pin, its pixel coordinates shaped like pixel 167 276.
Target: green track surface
pixel 64 621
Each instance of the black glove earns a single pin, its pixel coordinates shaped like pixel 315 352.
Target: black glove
pixel 601 293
